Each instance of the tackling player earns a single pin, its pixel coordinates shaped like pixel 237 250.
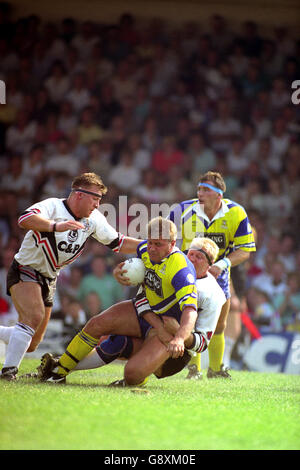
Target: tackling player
pixel 225 222
pixel 57 230
pixel 170 290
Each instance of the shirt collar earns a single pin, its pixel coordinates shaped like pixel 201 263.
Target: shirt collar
pixel 221 212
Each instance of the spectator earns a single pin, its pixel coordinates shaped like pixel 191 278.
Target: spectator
pixel 167 155
pixel 100 281
pixel 141 156
pixel 57 83
pixel 148 190
pixel 202 156
pixel 62 160
pixel 287 251
pixel 150 134
pixel 223 128
pixel 34 167
pixel 67 119
pixel 93 304
pixel 272 283
pixel 69 282
pixel 85 40
pixel 287 304
pixel 20 135
pixel 125 175
pixel 237 162
pixel 78 95
pixel 99 157
pixel 264 312
pixel 16 181
pixel 179 187
pixel 88 129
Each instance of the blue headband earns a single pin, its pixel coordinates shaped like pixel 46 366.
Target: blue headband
pixel 210 186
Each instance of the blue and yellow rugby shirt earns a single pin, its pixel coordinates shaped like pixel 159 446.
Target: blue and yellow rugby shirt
pixel 169 285
pixel 230 229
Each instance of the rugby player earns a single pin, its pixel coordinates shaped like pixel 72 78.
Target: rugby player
pixel 226 222
pixel 57 230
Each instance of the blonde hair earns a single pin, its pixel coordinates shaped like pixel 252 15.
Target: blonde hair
pixel 86 180
pixel 207 245
pixel 162 228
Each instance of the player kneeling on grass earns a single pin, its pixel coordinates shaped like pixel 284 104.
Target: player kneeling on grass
pixel 170 290
pixel 210 298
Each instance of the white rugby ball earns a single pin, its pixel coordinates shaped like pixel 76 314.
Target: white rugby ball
pixel 135 270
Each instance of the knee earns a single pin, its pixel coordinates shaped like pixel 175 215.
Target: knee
pixel 93 327
pixel 133 375
pixel 34 321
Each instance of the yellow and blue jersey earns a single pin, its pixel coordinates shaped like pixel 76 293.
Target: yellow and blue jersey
pixel 230 229
pixel 169 285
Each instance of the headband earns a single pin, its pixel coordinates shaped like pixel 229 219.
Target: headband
pixel 210 186
pixel 79 190
pixel 205 254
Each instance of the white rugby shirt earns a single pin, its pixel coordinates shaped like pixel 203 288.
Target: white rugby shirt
pixel 48 252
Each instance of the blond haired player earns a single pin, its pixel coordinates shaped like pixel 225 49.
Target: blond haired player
pixel 57 230
pixel 170 291
pixel 226 222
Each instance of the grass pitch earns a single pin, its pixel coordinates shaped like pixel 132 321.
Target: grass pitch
pixel 254 411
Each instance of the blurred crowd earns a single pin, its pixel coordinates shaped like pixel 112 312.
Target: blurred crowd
pixel 149 107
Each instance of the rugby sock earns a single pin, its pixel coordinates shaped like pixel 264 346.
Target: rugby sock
pixel 91 361
pixel 5 333
pixel 216 351
pixel 107 351
pixel 81 345
pixel 20 339
pixel 196 360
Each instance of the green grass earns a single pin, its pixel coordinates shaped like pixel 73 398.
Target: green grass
pixel 254 411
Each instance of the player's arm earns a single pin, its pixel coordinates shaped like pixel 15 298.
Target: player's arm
pixel 188 318
pixel 129 245
pixel 233 259
pixel 31 221
pixel 154 320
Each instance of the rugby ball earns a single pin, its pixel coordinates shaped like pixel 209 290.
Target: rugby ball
pixel 135 271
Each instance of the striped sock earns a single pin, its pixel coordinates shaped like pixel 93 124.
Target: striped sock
pixel 79 348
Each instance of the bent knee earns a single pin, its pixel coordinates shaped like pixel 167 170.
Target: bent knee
pixel 132 375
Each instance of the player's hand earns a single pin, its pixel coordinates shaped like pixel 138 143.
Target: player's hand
pixel 176 348
pixel 68 225
pixel 215 271
pixel 120 274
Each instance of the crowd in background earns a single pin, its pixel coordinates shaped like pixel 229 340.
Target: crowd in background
pixel 149 107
